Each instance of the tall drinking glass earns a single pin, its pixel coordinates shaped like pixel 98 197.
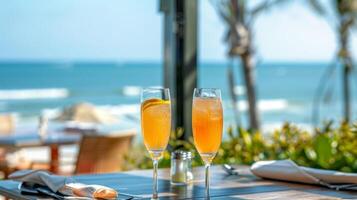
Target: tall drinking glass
pixel 155 125
pixel 207 124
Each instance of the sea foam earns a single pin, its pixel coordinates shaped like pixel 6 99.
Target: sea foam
pixel 24 94
pixel 131 90
pixel 266 105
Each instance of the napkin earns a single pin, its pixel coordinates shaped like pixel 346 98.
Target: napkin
pixel 64 185
pixel 287 170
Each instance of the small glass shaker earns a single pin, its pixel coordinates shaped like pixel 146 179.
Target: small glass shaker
pixel 181 169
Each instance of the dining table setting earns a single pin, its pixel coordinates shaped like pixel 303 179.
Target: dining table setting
pixel 264 179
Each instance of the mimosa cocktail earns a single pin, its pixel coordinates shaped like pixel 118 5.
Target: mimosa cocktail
pixel 207 125
pixel 155 125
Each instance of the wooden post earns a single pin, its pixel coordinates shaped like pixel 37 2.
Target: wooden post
pixel 180 58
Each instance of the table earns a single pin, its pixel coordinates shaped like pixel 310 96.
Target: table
pixel 31 139
pixel 245 186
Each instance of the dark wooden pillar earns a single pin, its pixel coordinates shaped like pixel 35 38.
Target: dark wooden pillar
pixel 180 57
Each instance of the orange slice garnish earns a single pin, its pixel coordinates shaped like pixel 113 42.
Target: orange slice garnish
pixel 151 102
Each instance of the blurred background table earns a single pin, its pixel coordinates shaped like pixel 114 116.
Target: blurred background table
pixel 109 137
pixel 31 139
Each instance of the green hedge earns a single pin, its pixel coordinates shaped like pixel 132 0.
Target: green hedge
pixel 326 148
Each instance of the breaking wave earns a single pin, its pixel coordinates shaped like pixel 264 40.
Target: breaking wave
pixel 24 94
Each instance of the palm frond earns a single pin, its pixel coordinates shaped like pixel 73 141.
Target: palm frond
pixel 353 14
pixel 234 96
pixel 233 13
pixel 317 6
pixel 221 9
pixel 321 89
pixel 266 5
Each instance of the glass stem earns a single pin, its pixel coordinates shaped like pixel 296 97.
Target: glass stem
pixel 207 180
pixel 155 190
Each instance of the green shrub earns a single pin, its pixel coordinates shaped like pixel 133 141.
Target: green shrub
pixel 327 148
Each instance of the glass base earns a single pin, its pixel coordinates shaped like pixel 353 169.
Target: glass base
pixel 156 154
pixel 207 157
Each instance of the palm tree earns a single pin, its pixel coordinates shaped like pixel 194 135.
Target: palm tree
pixel 239 19
pixel 343 17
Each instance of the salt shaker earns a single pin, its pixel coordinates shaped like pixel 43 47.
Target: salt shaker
pixel 181 169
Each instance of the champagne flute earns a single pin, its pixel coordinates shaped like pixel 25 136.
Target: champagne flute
pixel 207 124
pixel 155 125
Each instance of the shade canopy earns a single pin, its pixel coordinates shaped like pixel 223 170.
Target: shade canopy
pixel 87 113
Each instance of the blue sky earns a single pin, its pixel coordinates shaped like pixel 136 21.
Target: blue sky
pixel 130 30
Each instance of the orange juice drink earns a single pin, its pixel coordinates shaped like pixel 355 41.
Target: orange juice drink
pixel 207 124
pixel 156 125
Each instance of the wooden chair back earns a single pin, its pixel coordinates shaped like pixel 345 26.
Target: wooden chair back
pixel 103 153
pixel 7 124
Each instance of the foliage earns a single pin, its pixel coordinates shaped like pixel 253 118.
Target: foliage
pixel 327 148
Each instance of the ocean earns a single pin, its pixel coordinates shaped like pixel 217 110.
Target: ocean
pixel 285 90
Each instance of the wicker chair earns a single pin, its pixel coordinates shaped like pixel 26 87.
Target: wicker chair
pixel 103 153
pixel 97 154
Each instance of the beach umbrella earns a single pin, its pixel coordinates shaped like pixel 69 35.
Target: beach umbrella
pixel 87 113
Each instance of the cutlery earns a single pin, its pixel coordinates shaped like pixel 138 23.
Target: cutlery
pixel 230 170
pixel 338 186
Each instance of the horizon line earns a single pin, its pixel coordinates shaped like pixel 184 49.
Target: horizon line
pixel 114 61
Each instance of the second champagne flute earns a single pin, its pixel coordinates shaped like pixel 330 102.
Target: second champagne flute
pixel 207 125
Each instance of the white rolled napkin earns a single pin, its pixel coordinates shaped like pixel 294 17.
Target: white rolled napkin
pixel 287 170
pixel 64 185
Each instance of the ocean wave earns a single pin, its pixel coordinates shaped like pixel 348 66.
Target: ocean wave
pixel 24 94
pixel 239 90
pixel 266 105
pixel 130 90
